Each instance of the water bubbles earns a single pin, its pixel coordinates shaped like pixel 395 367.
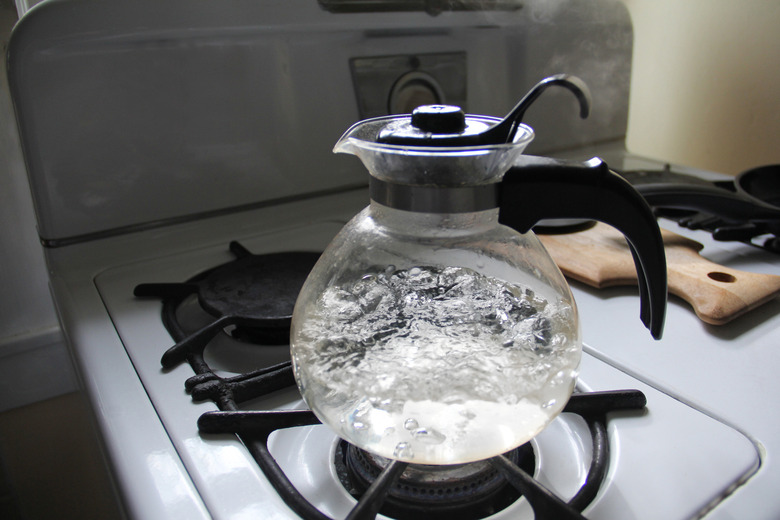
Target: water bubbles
pixel 428 436
pixel 472 349
pixel 403 450
pixel 562 377
pixel 346 303
pixel 358 417
pixel 542 332
pixel 468 414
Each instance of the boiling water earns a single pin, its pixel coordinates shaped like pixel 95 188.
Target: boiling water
pixel 436 365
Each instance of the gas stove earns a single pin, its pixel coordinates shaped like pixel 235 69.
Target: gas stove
pixel 156 170
pixel 703 455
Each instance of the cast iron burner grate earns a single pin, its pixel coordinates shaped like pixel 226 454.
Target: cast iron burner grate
pixel 254 293
pixel 384 491
pixel 254 429
pixel 721 229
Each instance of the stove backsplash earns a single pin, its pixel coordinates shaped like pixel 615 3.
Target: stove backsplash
pixel 133 117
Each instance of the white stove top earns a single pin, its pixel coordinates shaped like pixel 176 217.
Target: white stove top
pixel 705 434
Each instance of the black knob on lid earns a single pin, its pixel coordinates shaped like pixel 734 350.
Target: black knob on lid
pixel 439 119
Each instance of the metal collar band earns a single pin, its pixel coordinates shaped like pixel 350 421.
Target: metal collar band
pixel 434 199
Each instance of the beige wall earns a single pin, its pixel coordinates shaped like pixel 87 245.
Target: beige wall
pixel 706 82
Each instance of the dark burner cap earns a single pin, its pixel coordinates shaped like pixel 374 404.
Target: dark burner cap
pixel 457 492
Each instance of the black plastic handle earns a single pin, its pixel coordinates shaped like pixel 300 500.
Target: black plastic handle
pixel 538 188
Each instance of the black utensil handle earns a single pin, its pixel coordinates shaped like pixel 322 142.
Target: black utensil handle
pixel 712 200
pixel 538 188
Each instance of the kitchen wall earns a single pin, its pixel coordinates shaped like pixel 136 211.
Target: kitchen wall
pixel 705 88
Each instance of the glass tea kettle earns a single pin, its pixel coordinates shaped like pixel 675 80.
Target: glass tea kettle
pixel 435 328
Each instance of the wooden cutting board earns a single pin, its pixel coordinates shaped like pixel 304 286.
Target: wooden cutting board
pixel 599 257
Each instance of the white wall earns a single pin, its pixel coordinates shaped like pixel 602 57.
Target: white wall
pixel 705 86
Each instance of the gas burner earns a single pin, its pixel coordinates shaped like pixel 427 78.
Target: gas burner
pixel 394 488
pixel 722 229
pixel 391 487
pixel 254 295
pixel 463 491
pixel 254 428
pixel 252 298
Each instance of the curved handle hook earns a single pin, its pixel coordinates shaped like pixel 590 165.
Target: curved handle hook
pixel 504 132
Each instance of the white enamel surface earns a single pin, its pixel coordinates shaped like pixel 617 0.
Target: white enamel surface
pixel 142 449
